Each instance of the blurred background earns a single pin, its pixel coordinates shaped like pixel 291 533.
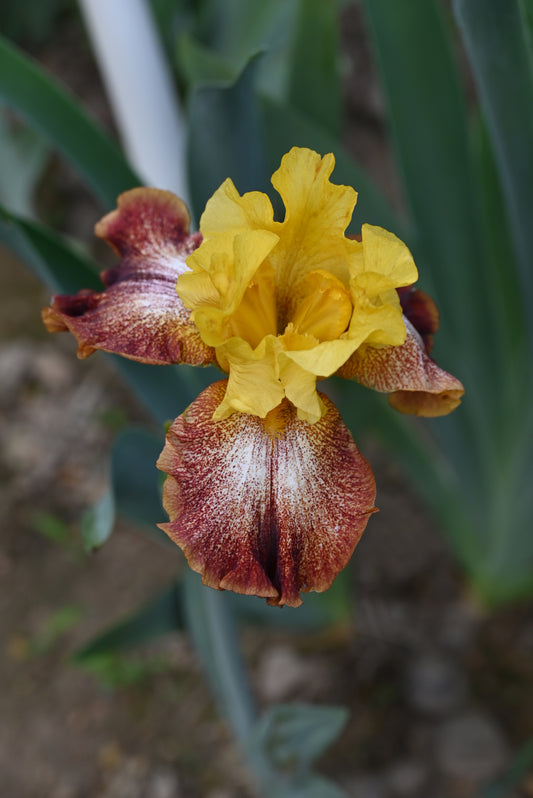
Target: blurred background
pixel 427 639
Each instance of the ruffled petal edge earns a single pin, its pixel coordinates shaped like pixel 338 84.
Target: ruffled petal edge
pixel 138 314
pixel 267 507
pixel 416 384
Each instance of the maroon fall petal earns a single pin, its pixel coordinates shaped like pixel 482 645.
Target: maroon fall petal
pixel 139 314
pixel 416 384
pixel 267 507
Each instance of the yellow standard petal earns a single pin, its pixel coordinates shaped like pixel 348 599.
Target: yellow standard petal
pixel 222 270
pixel 228 211
pixel 317 212
pixel 253 386
pixel 387 255
pixel 383 263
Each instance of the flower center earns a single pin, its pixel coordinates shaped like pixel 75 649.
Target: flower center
pixel 320 307
pixel 256 314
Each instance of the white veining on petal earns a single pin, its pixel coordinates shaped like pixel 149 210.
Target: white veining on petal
pixel 139 314
pixel 265 506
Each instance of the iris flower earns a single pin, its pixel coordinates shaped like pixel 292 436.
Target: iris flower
pixel 266 491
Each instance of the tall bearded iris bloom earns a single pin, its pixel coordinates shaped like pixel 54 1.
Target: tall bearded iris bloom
pixel 266 491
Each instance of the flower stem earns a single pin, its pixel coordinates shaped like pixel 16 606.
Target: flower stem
pixel 212 625
pixel 213 629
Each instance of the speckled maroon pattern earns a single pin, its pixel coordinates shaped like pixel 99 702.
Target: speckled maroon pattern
pixel 267 507
pixel 138 314
pixel 416 384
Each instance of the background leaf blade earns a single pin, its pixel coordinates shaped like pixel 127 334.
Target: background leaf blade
pixel 48 108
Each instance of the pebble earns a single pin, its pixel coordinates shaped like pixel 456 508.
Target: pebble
pixel 282 672
pixel 458 625
pixel 128 780
pixel 52 369
pixel 434 685
pixel 66 789
pixel 471 747
pixel 162 782
pixel 407 779
pixel 14 365
pixel 366 786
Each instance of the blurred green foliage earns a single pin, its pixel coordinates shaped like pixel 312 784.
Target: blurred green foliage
pixel 54 529
pixel 33 21
pixel 294 736
pixel 117 671
pixel 23 156
pixel 54 628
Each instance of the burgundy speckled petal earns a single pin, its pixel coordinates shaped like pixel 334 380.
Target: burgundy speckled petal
pixel 416 384
pixel 139 314
pixel 266 507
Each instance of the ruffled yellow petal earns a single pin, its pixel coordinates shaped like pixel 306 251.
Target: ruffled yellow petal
pixel 381 265
pixel 325 358
pixel 377 321
pixel 300 389
pixel 253 386
pixel 317 214
pixel 385 254
pixel 222 270
pixel 197 288
pixel 227 211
